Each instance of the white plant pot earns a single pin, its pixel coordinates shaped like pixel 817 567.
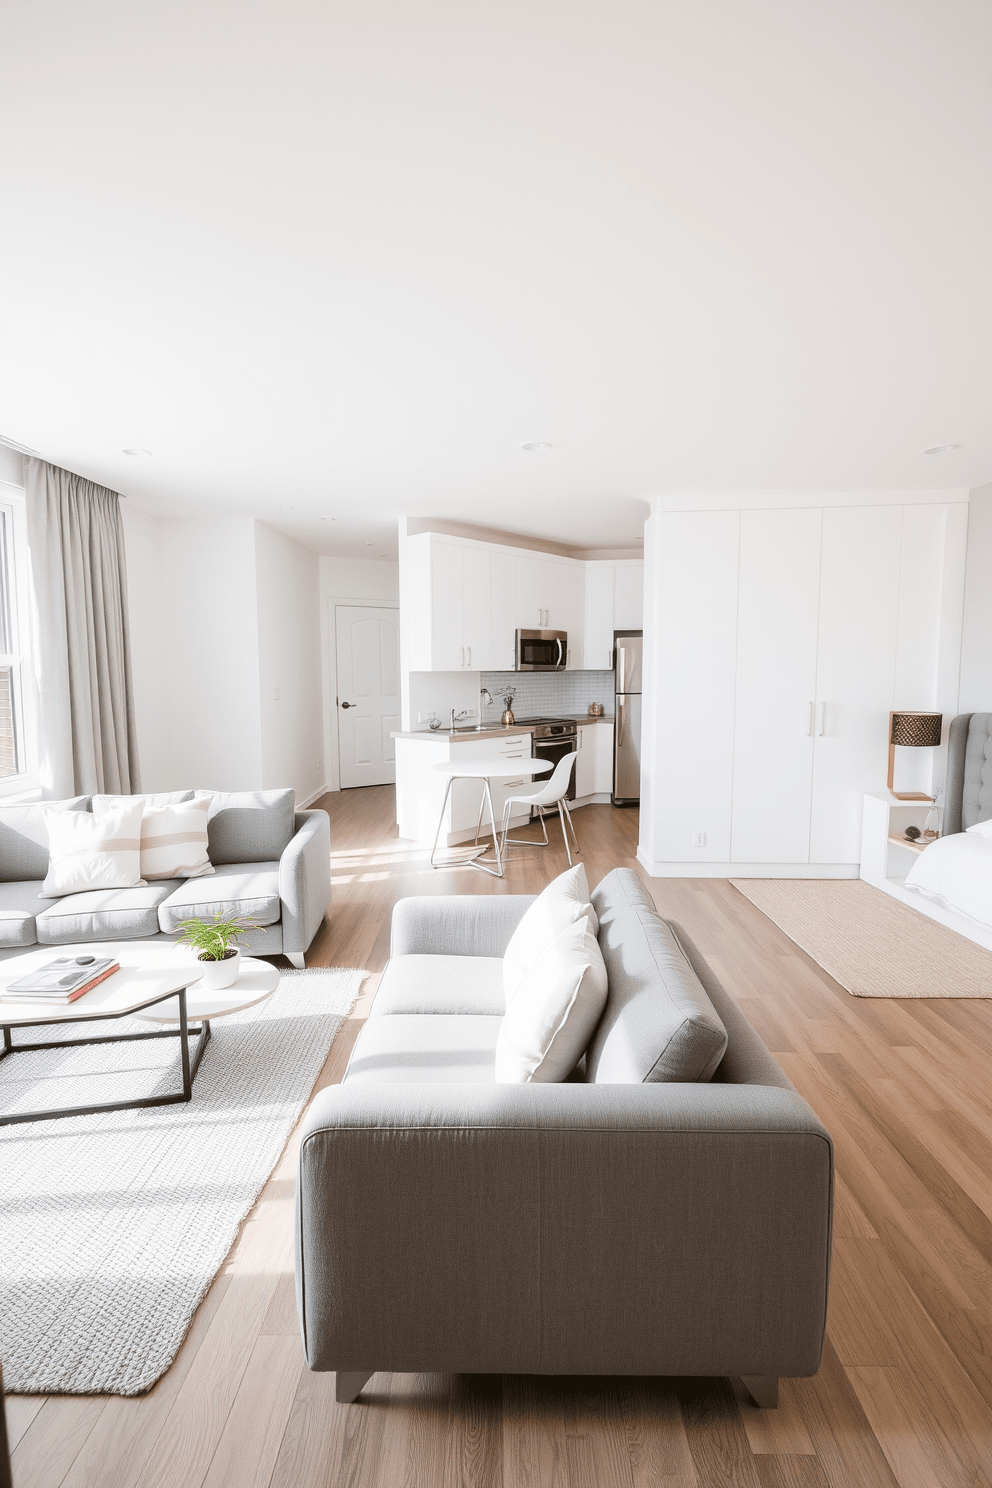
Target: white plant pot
pixel 218 974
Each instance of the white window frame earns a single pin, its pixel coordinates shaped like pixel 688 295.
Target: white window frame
pixel 13 532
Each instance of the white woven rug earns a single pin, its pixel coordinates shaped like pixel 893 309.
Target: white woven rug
pixel 113 1227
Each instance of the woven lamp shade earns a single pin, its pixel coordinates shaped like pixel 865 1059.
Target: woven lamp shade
pixel 916 730
pixel 912 731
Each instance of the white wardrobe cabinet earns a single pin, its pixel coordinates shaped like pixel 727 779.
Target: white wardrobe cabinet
pixel 614 601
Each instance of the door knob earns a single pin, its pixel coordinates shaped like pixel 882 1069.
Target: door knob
pixel 349 705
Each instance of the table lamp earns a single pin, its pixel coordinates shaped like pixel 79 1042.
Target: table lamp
pixel 912 731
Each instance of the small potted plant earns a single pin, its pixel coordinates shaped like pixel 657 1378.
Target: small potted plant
pixel 215 942
pixel 508 694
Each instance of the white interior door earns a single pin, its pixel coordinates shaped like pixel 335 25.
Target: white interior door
pixel 368 692
pixel 775 713
pixel 859 607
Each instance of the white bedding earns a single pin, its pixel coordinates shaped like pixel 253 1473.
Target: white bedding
pixel 958 870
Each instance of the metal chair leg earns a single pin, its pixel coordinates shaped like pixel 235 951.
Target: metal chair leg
pixel 444 804
pixel 564 834
pixel 482 807
pixel 568 814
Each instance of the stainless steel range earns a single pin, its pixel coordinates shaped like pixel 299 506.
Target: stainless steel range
pixel 553 739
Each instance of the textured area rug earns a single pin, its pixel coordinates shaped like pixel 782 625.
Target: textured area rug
pixel 112 1227
pixel 873 945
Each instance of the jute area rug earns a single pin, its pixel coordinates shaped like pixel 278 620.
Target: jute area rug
pixel 869 942
pixel 112 1227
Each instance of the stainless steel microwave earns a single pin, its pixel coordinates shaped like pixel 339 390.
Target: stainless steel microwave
pixel 541 651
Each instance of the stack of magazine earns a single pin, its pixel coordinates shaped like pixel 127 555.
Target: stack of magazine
pixel 61 980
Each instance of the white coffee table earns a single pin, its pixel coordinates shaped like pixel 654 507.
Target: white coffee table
pixel 151 976
pixel 484 770
pixel 257 981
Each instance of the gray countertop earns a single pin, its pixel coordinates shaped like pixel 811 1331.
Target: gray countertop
pixel 496 732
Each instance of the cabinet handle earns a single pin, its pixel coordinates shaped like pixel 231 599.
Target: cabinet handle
pixel 809 725
pixel 823 720
pixel 463 656
pixel 470 655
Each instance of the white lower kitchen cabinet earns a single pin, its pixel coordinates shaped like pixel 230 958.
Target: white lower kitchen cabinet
pixel 594 759
pixel 420 788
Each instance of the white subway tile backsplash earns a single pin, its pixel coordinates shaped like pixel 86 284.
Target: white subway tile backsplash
pixel 547 693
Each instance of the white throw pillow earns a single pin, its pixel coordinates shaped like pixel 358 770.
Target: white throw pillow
pixel 982 829
pixel 174 841
pixel 93 852
pixel 548 1025
pixel 565 900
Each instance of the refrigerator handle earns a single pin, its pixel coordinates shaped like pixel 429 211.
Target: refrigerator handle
pixel 619 721
pixel 621 669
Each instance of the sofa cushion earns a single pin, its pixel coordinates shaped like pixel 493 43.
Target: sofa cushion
pixel 556 1007
pixel 425 1049
pixel 250 826
pixel 658 1023
pixel 249 889
pixel 20 905
pixel 94 852
pixel 24 838
pixel 173 839
pixel 103 914
pixel 441 984
pixel 563 901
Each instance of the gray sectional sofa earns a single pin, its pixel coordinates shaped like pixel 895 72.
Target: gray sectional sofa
pixel 272 865
pixel 620 1223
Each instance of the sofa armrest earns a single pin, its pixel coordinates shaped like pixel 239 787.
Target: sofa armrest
pixel 305 880
pixel 456 924
pixel 567 1229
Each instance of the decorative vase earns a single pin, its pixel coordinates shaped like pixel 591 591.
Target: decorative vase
pixel 508 719
pixel 218 974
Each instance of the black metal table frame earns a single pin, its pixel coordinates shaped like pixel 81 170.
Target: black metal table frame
pixel 190 1065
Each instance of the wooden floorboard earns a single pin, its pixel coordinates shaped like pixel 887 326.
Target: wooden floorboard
pixel 903 1398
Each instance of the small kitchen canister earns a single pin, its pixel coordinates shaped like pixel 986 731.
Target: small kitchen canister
pixel 595 710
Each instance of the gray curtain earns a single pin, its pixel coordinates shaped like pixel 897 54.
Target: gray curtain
pixel 86 724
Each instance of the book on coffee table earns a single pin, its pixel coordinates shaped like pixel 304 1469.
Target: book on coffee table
pixel 61 980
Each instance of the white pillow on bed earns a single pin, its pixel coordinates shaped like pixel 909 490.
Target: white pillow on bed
pixel 982 829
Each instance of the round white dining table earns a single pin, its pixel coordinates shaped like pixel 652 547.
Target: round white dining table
pixel 484 770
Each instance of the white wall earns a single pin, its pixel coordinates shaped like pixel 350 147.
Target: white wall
pixel 223 612
pixel 364 581
pixel 288 609
pixel 976 646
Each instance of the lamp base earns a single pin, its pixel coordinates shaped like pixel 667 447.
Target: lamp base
pixel 911 796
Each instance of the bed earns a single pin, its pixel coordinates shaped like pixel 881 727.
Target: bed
pixel 956 870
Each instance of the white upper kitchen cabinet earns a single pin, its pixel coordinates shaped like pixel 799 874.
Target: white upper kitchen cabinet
pixel 503 642
pixel 573 614
pixel 449 603
pixel 777 618
pixel 553 595
pixel 597 653
pixel 628 596
pixel 855 673
pixel 530 600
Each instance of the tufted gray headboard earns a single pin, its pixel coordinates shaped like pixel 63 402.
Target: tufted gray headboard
pixel 968 789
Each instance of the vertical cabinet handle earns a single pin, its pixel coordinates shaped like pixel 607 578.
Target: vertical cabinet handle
pixel 463 656
pixel 823 720
pixel 809 724
pixel 470 655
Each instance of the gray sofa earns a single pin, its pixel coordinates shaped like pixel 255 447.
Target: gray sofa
pixel 272 865
pixel 619 1223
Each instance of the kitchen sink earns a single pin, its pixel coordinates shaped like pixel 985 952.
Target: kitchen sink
pixel 470 728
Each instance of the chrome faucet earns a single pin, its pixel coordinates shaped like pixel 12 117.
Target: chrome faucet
pixel 454 715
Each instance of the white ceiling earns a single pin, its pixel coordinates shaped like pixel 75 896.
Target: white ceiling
pixel 339 260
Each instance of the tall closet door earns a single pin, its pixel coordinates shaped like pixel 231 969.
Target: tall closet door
pixel 859 610
pixel 776 685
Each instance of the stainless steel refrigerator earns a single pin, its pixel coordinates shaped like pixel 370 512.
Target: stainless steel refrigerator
pixel 627 728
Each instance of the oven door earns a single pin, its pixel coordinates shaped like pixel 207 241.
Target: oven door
pixel 541 650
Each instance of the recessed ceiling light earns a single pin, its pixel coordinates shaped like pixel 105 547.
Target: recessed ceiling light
pixel 135 452
pixel 940 449
pixel 536 447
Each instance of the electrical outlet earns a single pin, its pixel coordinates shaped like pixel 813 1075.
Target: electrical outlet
pixel 699 839
pixel 275 695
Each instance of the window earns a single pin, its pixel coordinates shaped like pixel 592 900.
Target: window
pixel 17 765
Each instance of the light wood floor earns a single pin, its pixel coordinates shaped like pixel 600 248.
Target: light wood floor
pixel 904 1395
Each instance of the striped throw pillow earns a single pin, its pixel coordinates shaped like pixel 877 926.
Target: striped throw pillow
pixel 93 852
pixel 174 841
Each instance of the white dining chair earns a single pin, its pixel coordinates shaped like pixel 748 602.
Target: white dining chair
pixel 552 793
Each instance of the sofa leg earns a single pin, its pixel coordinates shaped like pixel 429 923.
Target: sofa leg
pixel 762 1388
pixel 295 958
pixel 348 1384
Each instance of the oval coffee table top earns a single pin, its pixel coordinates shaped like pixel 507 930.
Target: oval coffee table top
pixel 493 767
pixel 257 980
